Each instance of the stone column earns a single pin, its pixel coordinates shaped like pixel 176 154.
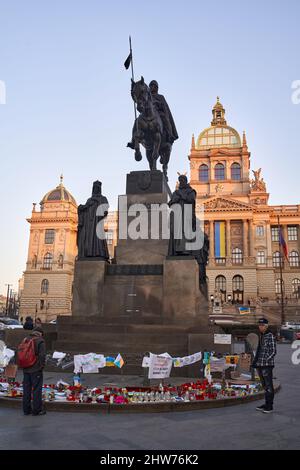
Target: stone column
pixel 245 238
pixel 228 240
pixel 251 238
pixel 211 242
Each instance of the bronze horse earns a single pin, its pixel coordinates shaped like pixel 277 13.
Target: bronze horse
pixel 149 129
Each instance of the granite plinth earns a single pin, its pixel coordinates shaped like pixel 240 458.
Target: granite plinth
pixel 142 229
pixel 182 299
pixel 88 287
pixel 146 182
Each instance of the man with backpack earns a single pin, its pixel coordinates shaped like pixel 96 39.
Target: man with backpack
pixel 31 357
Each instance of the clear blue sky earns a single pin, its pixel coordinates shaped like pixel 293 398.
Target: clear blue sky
pixel 68 95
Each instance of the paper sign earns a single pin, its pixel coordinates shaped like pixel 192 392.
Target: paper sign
pixel 222 339
pixel 187 360
pixel 159 366
pixel 217 365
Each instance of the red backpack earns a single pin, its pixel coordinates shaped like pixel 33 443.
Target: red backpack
pixel 26 356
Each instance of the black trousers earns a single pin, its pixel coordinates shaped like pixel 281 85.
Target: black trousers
pixel 32 387
pixel 266 378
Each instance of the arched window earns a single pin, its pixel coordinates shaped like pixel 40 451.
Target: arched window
pixel 296 287
pixel 34 262
pixel 294 259
pixel 237 256
pixel 277 258
pixel 203 173
pixel 220 285
pixel 219 172
pixel 45 286
pixel 278 288
pixel 47 264
pixel 238 289
pixel 235 171
pixel 60 261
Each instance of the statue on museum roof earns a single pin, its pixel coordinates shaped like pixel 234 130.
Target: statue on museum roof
pixel 155 127
pixel 91 240
pixel 258 184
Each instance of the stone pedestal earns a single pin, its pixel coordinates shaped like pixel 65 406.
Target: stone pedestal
pixel 88 287
pixel 182 299
pixel 144 301
pixel 143 220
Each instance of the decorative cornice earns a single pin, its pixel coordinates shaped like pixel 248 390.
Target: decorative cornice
pixel 221 203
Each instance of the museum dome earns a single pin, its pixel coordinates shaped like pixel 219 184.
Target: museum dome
pixel 219 134
pixel 60 193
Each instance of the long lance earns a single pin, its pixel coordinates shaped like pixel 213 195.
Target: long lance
pixel 132 74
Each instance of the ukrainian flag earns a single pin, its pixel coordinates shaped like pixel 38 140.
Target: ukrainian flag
pixel 220 250
pixel 110 361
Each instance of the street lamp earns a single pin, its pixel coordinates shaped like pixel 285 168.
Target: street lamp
pixel 229 298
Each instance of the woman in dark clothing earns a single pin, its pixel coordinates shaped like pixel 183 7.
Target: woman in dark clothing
pixel 28 325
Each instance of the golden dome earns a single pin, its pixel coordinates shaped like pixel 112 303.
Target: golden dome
pixel 219 134
pixel 60 193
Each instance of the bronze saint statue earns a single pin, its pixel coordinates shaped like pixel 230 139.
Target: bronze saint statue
pixel 181 235
pixel 154 128
pixel 91 239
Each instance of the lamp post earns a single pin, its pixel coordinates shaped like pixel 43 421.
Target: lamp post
pixel 7 298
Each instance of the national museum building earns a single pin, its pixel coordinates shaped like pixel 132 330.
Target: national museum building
pixel 244 258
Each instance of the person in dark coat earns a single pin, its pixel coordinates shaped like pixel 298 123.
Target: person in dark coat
pixel 264 363
pixel 33 377
pixel 28 325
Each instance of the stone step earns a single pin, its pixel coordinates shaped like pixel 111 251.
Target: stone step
pixel 122 329
pixel 120 319
pixel 124 339
pixel 86 347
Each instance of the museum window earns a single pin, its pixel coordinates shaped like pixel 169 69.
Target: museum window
pixel 34 262
pixel 237 256
pixel 261 257
pixel 219 172
pixel 292 233
pixel 60 261
pixel 45 286
pixel 275 234
pixel 277 286
pixel 220 285
pixel 296 288
pixel 277 257
pixel 294 259
pixel 47 264
pixel 238 289
pixel 49 236
pixel 203 173
pixel 236 171
pixel 260 231
pixel 109 237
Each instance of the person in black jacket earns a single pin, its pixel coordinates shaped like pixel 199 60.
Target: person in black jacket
pixel 33 377
pixel 28 325
pixel 264 363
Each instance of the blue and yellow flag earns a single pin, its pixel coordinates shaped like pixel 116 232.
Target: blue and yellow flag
pixel 220 250
pixel 110 361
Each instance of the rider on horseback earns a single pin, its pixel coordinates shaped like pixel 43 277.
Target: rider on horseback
pixel 154 128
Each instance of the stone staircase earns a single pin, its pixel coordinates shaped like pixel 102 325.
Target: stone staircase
pixel 132 336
